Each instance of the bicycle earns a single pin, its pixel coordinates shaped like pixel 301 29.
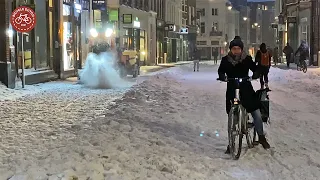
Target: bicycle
pixel 238 122
pixel 302 66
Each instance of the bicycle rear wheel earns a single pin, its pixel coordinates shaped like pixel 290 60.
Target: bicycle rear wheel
pixel 234 132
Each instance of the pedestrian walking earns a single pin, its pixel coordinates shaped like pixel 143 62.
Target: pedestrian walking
pixel 263 58
pixel 215 55
pixel 196 60
pixel 288 51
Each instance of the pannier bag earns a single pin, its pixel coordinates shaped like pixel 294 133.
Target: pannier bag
pixel 264 104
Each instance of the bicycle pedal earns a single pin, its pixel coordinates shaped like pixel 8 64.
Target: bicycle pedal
pixel 255 143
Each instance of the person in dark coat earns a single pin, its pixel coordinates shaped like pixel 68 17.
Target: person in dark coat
pixel 288 51
pixel 215 55
pixel 237 65
pixel 303 50
pixel 196 59
pixel 263 59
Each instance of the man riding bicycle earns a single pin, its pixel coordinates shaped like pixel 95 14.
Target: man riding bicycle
pixel 237 65
pixel 303 50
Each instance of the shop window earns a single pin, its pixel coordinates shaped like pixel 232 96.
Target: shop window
pixel 50 3
pixel 142 49
pixel 51 34
pixel 203 28
pixel 66 10
pixel 42 32
pixel 142 33
pixel 201 42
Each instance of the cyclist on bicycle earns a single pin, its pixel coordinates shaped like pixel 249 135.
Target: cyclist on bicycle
pixel 303 50
pixel 237 65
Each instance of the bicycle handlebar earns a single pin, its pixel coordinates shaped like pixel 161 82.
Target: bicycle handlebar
pixel 249 78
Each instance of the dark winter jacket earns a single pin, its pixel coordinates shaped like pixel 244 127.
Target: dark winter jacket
pixel 287 50
pixel 263 49
pixel 196 55
pixel 303 51
pixel 239 70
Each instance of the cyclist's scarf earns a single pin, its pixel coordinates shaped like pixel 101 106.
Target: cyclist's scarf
pixel 234 60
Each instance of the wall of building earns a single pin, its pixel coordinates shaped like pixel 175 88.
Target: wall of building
pixel 173 12
pixel 315 33
pixel 244 25
pixel 220 28
pixel 147 23
pixel 261 18
pixel 267 32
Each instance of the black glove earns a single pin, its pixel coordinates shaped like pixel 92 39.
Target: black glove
pixel 256 75
pixel 222 78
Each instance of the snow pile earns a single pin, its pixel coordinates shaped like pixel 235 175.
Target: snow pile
pixel 13 94
pixel 152 132
pixel 100 72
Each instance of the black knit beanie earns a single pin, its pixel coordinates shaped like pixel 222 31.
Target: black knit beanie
pixel 236 42
pixel 237 37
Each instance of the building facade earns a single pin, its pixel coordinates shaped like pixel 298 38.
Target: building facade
pixel 53 49
pixel 59 44
pixel 138 28
pixel 296 22
pixel 261 17
pixel 173 42
pixel 218 24
pixel 315 33
pixel 244 27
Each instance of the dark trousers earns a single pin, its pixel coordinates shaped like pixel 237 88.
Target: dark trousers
pixel 215 58
pixel 264 75
pixel 288 58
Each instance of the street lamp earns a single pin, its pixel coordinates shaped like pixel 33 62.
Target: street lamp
pixel 245 18
pixel 229 8
pixel 256 24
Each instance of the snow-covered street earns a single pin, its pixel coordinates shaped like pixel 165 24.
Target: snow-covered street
pixel 151 130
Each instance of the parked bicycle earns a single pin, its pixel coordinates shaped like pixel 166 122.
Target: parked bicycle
pixel 239 124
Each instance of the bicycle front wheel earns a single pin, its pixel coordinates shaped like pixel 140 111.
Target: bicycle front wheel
pixel 234 132
pixel 304 66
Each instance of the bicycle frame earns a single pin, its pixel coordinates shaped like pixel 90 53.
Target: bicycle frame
pixel 240 126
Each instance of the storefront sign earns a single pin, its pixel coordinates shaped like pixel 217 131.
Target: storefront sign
pixel 292 19
pixel 23 19
pixel 98 4
pixel 136 23
pixel 170 27
pixel 184 31
pixel 127 19
pixel 113 15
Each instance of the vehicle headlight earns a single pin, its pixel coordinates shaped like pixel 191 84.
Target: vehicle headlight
pixel 93 32
pixel 109 32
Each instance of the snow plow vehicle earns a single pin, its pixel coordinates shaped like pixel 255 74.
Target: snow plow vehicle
pixel 100 41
